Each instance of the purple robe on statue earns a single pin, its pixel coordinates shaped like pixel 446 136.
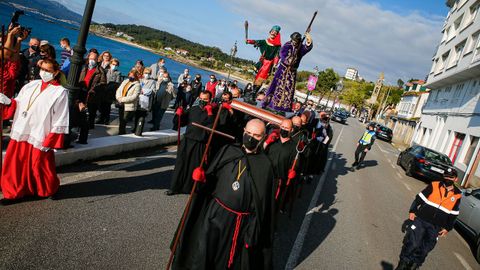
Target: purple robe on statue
pixel 282 89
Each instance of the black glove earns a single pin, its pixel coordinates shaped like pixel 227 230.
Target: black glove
pixel 407 223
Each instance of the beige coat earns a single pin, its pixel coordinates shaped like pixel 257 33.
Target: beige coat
pixel 130 100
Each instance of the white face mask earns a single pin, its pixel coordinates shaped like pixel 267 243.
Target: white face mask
pixel 113 67
pixel 165 79
pixel 46 76
pixel 92 63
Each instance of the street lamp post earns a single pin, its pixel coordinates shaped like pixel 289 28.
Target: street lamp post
pixel 77 60
pixel 233 52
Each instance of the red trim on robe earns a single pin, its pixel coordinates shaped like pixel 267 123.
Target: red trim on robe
pixel 27 171
pixel 9 111
pixel 54 140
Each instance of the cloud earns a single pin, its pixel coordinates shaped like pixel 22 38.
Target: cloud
pixel 351 33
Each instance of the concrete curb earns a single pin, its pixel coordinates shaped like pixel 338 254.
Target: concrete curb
pixel 114 145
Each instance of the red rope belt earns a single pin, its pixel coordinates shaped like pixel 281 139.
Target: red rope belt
pixel 278 189
pixel 236 232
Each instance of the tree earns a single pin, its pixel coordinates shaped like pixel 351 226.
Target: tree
pixel 327 79
pixel 400 83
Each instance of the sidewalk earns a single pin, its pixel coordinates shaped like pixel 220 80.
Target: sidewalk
pixel 104 140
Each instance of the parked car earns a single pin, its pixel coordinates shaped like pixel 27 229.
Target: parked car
pixel 425 162
pixel 384 133
pixel 469 217
pixel 340 116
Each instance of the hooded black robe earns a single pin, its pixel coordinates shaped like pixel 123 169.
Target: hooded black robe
pixel 207 240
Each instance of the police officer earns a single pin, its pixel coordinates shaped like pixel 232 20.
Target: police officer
pixel 432 214
pixel 364 145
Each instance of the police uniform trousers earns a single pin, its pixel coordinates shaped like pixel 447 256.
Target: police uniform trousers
pixel 360 153
pixel 420 238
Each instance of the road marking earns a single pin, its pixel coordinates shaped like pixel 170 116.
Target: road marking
pixel 393 166
pixel 382 149
pixel 399 175
pixel 302 233
pixel 463 261
pixel 407 186
pixel 117 167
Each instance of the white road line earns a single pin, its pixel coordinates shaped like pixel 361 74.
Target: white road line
pixel 407 186
pixel 463 261
pixel 399 175
pixel 117 167
pixel 382 149
pixel 302 233
pixel 393 166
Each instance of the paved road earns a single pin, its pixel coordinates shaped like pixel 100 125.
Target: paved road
pixel 112 214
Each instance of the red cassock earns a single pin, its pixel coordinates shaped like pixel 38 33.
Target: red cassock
pixel 40 123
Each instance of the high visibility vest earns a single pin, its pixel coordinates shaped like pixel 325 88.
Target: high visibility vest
pixel 367 137
pixel 442 199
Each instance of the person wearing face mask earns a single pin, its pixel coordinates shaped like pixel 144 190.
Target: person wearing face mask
pixel 220 88
pixel 144 101
pixel 235 197
pixel 113 76
pixel 323 155
pixel 211 85
pixel 66 50
pixel 165 92
pixel 156 69
pixel 28 58
pixel 192 145
pixel 185 76
pixel 281 151
pixel 281 92
pixel 432 215
pixel 40 121
pixel 127 98
pixel 92 81
pixel 196 89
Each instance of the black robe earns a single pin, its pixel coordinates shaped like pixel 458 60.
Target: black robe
pixel 282 156
pixel 324 151
pixel 190 151
pixel 210 228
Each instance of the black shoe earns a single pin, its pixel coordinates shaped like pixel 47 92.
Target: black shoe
pixel 100 121
pixel 354 164
pixel 81 142
pixel 170 193
pixel 154 129
pixel 150 122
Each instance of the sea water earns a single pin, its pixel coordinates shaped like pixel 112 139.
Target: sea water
pixel 128 55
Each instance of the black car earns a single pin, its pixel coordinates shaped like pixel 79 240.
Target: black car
pixel 340 116
pixel 425 162
pixel 384 133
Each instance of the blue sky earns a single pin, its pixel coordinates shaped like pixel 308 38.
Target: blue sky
pixel 369 35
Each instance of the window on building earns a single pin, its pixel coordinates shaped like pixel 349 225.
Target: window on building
pixel 471 150
pixel 443 61
pixel 473 89
pixel 472 42
pixel 437 93
pixel 476 55
pixel 458 92
pixel 471 14
pixel 457 24
pixel 457 53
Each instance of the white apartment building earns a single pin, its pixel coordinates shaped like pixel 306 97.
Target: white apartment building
pixel 450 121
pixel 351 74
